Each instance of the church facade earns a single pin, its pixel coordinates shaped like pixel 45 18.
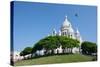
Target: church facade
pixel 68 31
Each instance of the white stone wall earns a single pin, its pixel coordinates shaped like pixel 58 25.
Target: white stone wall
pixel 59 51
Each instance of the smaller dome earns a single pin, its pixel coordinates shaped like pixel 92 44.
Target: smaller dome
pixel 77 31
pixel 71 30
pixel 59 32
pixel 54 32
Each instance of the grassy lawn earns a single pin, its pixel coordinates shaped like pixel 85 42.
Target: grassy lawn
pixel 55 59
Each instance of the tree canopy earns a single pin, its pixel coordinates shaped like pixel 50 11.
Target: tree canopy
pixel 52 42
pixel 88 47
pixel 26 51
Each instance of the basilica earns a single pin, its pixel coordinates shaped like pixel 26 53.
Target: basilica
pixel 68 31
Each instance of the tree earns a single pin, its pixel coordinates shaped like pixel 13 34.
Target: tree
pixel 49 43
pixel 88 47
pixel 26 51
pixel 68 43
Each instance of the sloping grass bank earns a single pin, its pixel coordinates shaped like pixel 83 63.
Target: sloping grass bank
pixel 55 59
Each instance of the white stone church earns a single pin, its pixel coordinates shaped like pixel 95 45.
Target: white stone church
pixel 68 31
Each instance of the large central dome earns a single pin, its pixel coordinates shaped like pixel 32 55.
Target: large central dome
pixel 66 22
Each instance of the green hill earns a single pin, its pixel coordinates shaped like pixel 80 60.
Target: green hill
pixel 55 59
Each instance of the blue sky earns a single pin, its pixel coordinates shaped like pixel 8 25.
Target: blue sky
pixel 33 21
